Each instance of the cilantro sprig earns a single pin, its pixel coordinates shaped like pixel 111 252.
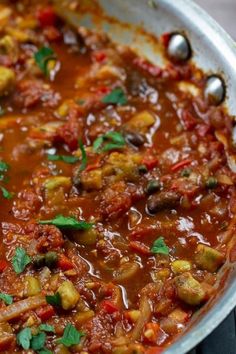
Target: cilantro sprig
pixel 109 141
pixel 69 222
pixel 71 336
pixel 42 57
pixel 159 247
pixel 54 300
pixel 27 340
pixel 116 96
pixel 20 260
pixel 7 299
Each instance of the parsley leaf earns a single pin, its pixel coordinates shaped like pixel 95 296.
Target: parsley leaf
pixel 45 351
pixel 70 336
pixel 115 141
pixel 3 166
pixel 23 338
pixel 42 56
pixel 8 299
pixel 6 194
pixel 159 247
pixel 63 222
pixel 54 300
pixel 38 341
pixel 46 328
pixel 84 156
pixel 64 158
pixel 116 96
pixel 20 260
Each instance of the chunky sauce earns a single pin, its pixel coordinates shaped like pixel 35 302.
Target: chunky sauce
pixel 117 201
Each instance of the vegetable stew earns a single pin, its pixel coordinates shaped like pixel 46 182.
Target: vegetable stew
pixel 117 183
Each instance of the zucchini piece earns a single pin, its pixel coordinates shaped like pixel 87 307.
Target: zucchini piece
pixel 207 258
pixel 189 290
pixel 69 295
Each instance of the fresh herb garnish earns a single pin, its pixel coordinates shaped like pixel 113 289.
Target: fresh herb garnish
pixel 8 299
pixel 42 57
pixel 38 341
pixel 47 328
pixel 3 166
pixel 63 222
pixel 84 156
pixel 45 351
pixel 24 337
pixel 114 140
pixel 6 194
pixel 116 96
pixel 20 260
pixel 64 158
pixel 71 336
pixel 159 247
pixel 54 300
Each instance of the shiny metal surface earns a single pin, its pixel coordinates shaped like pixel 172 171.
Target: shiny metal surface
pixel 179 48
pixel 215 52
pixel 215 90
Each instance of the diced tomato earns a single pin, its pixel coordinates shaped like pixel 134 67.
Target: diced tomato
pixel 46 312
pixel 142 232
pixel 52 33
pixel 180 165
pixel 46 16
pixel 140 248
pixel 147 66
pixel 3 265
pixel 165 38
pixel 109 306
pixel 103 90
pixel 149 160
pixel 99 56
pixel 187 119
pixel 154 350
pixel 64 263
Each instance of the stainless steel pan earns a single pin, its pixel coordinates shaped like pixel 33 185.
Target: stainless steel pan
pixel 213 51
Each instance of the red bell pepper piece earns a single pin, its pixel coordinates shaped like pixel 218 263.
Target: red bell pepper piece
pixel 3 265
pixel 46 312
pixel 149 160
pixel 64 263
pixel 180 165
pixel 109 306
pixel 46 16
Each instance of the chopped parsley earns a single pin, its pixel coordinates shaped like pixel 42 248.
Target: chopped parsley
pixel 109 141
pixel 116 96
pixel 70 336
pixel 42 57
pixel 38 341
pixel 64 158
pixel 3 166
pixel 6 194
pixel 7 299
pixel 54 300
pixel 63 222
pixel 20 260
pixel 24 337
pixel 47 328
pixel 159 247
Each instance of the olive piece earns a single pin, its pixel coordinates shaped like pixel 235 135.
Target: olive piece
pixel 162 201
pixel 142 169
pixel 135 139
pixel 39 260
pixel 211 183
pixel 51 259
pixel 153 186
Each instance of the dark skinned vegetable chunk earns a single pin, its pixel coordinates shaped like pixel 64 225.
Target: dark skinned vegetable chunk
pixel 162 201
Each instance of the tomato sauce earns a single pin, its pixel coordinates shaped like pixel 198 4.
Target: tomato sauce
pixel 117 191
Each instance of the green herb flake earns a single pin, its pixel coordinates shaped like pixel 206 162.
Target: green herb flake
pixel 45 351
pixel 54 300
pixel 79 102
pixel 47 328
pixel 63 222
pixel 115 141
pixel 116 96
pixel 42 57
pixel 38 341
pixel 24 337
pixel 6 194
pixel 64 158
pixel 71 336
pixel 159 247
pixel 20 260
pixel 3 166
pixel 7 299
pixel 84 156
